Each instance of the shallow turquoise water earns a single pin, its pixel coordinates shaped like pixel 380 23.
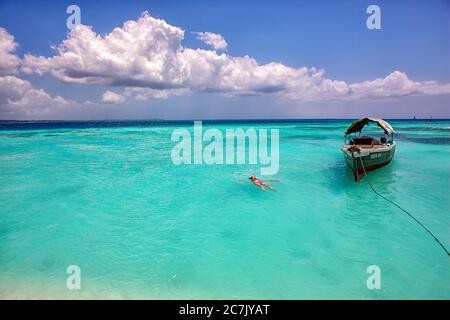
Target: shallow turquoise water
pixel 110 201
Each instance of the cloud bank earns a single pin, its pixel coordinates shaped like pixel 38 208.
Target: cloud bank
pixel 146 59
pixel 20 97
pixel 148 53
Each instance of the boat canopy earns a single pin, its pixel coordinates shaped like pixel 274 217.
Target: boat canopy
pixel 359 124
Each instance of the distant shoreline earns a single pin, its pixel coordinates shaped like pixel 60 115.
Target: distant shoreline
pixel 214 119
pixel 6 125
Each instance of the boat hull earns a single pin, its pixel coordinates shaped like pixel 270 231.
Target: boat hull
pixel 371 159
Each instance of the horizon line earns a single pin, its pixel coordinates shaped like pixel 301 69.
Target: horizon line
pixel 207 119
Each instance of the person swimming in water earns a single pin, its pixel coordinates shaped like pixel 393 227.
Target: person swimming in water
pixel 261 184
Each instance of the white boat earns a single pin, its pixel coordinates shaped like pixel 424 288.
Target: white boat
pixel 365 153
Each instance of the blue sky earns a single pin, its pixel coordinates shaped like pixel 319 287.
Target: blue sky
pixel 328 35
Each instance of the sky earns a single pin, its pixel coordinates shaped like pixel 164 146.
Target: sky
pixel 224 60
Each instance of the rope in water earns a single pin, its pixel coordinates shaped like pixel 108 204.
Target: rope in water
pixel 404 210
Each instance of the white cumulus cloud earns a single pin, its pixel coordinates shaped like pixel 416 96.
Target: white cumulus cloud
pixel 8 59
pixel 19 98
pixel 215 40
pixel 112 98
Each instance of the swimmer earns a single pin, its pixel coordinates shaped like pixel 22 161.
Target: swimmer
pixel 261 184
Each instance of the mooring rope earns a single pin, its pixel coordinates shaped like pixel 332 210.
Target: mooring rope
pixel 404 210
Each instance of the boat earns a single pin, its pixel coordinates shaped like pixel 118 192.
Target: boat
pixel 365 153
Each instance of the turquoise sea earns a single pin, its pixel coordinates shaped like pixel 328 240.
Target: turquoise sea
pixel 106 196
